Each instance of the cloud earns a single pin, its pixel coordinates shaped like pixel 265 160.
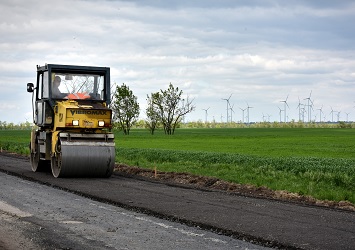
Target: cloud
pixel 259 52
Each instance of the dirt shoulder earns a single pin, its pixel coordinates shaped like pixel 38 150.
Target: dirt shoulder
pixel 204 182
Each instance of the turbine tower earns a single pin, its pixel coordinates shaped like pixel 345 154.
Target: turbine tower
pixel 227 105
pixel 303 112
pixel 280 113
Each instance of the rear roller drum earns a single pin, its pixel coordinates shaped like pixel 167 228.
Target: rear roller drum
pixel 37 164
pixel 56 161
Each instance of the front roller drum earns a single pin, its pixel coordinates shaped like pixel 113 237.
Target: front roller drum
pixel 83 159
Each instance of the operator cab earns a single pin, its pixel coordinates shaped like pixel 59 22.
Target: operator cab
pixel 71 82
pixel 55 83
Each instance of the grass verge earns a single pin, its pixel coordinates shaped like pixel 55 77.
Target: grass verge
pixel 322 178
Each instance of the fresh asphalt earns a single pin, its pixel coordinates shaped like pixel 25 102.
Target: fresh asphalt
pixel 266 222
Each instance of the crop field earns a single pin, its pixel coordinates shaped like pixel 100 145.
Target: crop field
pixel 319 162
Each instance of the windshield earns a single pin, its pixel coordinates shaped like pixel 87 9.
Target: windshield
pixel 77 86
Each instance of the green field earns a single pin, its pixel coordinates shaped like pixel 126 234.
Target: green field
pixel 310 161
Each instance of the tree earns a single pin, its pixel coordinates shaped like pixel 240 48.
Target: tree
pixel 125 108
pixel 171 107
pixel 153 114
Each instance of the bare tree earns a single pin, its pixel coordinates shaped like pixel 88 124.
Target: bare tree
pixel 171 107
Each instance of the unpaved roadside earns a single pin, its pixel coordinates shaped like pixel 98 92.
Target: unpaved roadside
pixel 232 188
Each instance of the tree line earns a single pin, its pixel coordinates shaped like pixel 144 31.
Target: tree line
pixel 12 126
pixel 165 108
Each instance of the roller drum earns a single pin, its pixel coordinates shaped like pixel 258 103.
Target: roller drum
pixel 84 159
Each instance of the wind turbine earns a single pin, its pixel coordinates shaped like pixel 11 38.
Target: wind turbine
pixel 347 117
pixel 248 107
pixel 299 109
pixel 227 105
pixel 243 113
pixel 332 112
pixel 320 113
pixel 232 111
pixel 285 101
pixel 206 114
pixel 264 120
pixel 309 106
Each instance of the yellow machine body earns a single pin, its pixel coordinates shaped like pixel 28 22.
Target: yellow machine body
pixel 70 114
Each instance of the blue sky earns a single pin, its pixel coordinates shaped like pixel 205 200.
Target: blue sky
pixel 258 51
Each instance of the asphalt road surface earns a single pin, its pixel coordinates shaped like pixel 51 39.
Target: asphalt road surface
pixel 265 222
pixel 47 218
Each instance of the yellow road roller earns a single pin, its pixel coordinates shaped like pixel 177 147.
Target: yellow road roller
pixel 73 134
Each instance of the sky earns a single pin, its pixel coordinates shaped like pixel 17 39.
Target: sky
pixel 256 53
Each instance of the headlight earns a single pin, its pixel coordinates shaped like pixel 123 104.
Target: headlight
pixel 75 123
pixel 101 123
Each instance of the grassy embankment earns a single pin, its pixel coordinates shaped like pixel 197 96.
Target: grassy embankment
pixel 317 162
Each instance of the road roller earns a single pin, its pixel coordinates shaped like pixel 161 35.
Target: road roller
pixel 73 123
